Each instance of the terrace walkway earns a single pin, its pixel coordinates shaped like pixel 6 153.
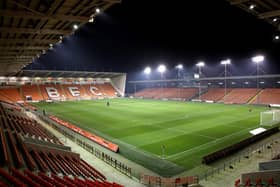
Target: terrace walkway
pixel 226 178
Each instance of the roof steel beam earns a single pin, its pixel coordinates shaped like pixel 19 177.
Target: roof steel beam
pixel 34 31
pixel 269 14
pixel 23 48
pixel 29 15
pixel 236 2
pixel 16 40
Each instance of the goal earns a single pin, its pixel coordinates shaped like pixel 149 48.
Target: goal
pixel 270 117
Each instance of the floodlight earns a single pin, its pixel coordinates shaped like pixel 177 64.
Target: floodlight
pixel 232 82
pixel 220 83
pixel 179 66
pixel 226 62
pixel 278 82
pixel 196 76
pixel 257 59
pixel 75 27
pixel 97 10
pixel 91 19
pixel 209 83
pixel 200 64
pixel 251 7
pixel 147 70
pixel 275 19
pixel 246 82
pixel 161 68
pixel 261 82
pixel 276 37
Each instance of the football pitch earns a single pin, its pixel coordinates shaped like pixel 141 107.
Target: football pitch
pixel 161 135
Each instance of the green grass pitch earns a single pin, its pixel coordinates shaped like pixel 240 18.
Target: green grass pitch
pixel 161 135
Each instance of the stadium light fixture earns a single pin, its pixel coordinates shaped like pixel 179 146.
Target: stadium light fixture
pixel 251 7
pixel 97 10
pixel 233 83
pixel 278 82
pixel 179 66
pixel 147 70
pixel 257 59
pixel 91 19
pixel 262 82
pixel 246 82
pixel 277 37
pixel 200 64
pixel 196 76
pixel 209 83
pixel 161 68
pixel 226 62
pixel 60 39
pixel 75 27
pixel 220 83
pixel 275 19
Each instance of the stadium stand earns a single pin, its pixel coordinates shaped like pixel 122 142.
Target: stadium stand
pixel 57 92
pixel 68 91
pixel 83 92
pixel 32 156
pixel 146 93
pixel 32 92
pixel 169 93
pixel 108 89
pixel 214 94
pixel 92 91
pixel 240 95
pixel 268 96
pixel 10 94
pixel 44 92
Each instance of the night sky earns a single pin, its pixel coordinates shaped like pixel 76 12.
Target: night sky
pixel 136 33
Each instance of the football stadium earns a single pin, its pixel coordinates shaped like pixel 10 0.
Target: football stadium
pixel 67 120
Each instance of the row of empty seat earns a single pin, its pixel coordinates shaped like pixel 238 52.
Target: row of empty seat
pixel 169 93
pixel 10 95
pixel 26 178
pixel 24 125
pixel 240 95
pixel 231 96
pixel 268 96
pixel 267 176
pixel 56 91
pixel 214 94
pixel 32 156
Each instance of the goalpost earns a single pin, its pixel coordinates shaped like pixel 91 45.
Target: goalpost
pixel 270 117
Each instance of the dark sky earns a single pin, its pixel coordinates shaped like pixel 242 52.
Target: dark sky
pixel 137 33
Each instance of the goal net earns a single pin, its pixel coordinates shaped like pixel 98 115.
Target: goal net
pixel 270 117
